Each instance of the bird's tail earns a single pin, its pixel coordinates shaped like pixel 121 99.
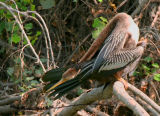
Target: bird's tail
pixel 64 87
pixel 52 77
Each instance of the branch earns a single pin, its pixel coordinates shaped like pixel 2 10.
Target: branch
pixel 140 6
pixel 119 91
pixel 144 97
pixel 9 100
pixel 7 109
pixel 101 93
pixel 87 98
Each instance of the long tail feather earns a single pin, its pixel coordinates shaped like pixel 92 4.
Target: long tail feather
pixel 53 75
pixel 63 88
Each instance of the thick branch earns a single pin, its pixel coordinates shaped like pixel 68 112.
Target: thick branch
pixel 87 98
pixel 144 97
pixel 7 109
pixel 119 91
pixel 9 100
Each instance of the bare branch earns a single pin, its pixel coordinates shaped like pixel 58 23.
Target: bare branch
pixel 144 97
pixel 140 6
pixel 119 91
pixel 87 98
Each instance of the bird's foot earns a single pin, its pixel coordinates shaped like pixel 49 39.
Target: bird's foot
pixel 124 83
pixel 119 78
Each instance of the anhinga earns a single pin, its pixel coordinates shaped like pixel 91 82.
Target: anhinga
pixel 115 49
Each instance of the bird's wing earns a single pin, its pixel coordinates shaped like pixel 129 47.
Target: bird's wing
pixel 121 58
pixel 110 44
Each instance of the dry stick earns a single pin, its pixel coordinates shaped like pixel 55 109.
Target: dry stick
pixel 119 91
pixel 48 36
pixel 156 17
pixel 85 39
pixel 121 4
pixel 95 111
pixel 28 41
pixel 7 109
pixel 9 100
pixel 140 6
pixel 144 97
pixel 45 36
pixel 154 88
pixel 47 32
pixel 148 107
pixel 87 98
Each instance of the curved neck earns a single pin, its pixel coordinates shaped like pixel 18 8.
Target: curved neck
pixel 119 21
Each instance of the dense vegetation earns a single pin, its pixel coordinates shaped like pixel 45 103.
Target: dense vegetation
pixel 73 25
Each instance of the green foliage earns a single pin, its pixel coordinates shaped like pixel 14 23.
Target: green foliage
pixel 47 4
pixel 148 68
pixel 16 38
pixel 98 24
pixel 157 77
pixel 100 0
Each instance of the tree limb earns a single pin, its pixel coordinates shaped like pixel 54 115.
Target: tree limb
pixel 87 98
pixel 119 91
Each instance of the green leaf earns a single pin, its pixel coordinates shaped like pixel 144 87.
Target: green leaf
pixel 2 26
pixel 39 72
pixel 100 0
pixel 34 82
pixel 38 33
pixel 29 78
pixel 28 26
pixel 145 67
pixel 103 19
pixel 46 4
pixel 32 7
pixel 17 60
pixel 155 65
pixel 148 59
pixel 157 77
pixel 99 25
pixel 9 26
pixel 15 38
pixel 10 71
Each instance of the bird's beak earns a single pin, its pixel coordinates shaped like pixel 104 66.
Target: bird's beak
pixel 57 84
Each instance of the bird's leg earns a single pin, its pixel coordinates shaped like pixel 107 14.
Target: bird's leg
pixel 119 78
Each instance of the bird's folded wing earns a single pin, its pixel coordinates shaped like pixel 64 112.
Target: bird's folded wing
pixel 110 44
pixel 121 58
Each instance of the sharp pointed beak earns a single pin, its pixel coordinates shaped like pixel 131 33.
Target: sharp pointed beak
pixel 57 84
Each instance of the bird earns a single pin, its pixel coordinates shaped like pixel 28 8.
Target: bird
pixel 116 48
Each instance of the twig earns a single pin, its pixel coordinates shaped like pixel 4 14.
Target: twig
pixel 148 107
pixel 85 39
pixel 121 4
pixel 95 111
pixel 28 41
pixel 9 100
pixel 140 6
pixel 144 97
pixel 156 17
pixel 119 91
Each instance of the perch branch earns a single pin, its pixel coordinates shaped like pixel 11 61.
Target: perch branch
pixel 119 91
pixel 87 98
pixel 144 97
pixel 148 107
